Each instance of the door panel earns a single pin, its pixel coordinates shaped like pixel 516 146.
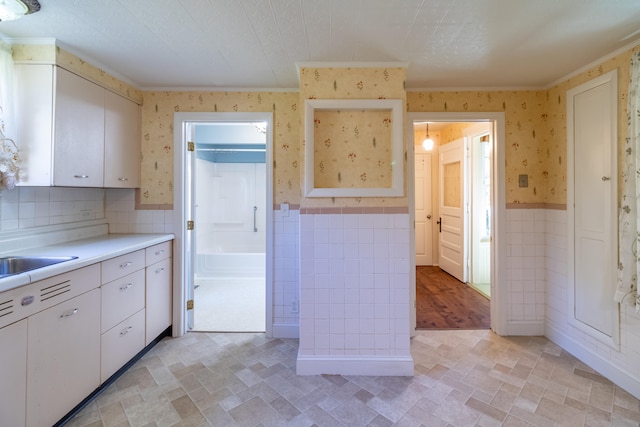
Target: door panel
pixel 594 213
pixel 423 209
pixel 452 219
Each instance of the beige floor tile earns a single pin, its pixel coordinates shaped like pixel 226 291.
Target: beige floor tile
pixel 462 378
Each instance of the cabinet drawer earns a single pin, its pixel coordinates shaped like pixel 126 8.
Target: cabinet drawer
pixel 26 300
pixel 122 298
pixel 120 344
pixel 158 252
pixel 121 266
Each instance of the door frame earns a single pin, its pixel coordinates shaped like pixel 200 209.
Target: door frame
pixel 499 298
pixel 180 193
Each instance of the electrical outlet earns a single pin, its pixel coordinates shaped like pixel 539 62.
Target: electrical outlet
pixel 294 306
pixel 284 209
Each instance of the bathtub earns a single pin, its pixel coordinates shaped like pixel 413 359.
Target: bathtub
pixel 226 264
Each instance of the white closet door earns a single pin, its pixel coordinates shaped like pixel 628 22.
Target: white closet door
pixel 592 141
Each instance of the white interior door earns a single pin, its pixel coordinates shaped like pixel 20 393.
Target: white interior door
pixel 189 213
pixel 452 209
pixel 423 209
pixel 591 131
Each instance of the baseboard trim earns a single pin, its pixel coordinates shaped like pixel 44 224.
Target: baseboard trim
pixel 615 374
pixel 285 330
pixel 525 328
pixel 355 365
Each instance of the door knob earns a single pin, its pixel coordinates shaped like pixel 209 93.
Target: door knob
pixel 428 216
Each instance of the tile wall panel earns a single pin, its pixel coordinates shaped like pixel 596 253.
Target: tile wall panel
pixel 354 297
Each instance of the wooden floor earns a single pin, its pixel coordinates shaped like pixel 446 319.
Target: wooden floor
pixel 443 302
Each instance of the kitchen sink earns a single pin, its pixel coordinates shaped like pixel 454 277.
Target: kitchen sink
pixel 20 264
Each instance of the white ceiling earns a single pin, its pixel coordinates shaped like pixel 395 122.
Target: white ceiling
pixel 257 43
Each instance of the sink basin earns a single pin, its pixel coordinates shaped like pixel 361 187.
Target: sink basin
pixel 21 264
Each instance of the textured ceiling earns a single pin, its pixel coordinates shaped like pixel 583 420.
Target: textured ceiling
pixel 257 43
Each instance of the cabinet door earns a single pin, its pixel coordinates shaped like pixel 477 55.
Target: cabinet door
pixel 64 358
pixel 158 300
pixel 34 122
pixel 122 142
pixel 121 343
pixel 13 373
pixel 79 132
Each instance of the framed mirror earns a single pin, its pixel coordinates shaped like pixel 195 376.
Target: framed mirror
pixel 353 148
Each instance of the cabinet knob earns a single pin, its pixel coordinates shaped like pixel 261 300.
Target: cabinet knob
pixel 123 179
pixel 81 176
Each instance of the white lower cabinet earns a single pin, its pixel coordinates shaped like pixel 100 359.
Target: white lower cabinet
pixel 120 343
pixel 63 361
pixel 64 336
pixel 13 373
pixel 159 298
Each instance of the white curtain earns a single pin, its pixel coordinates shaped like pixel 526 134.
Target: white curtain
pixel 629 233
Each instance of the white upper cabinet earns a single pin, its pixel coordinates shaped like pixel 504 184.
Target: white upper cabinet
pixel 121 142
pixel 79 132
pixel 74 133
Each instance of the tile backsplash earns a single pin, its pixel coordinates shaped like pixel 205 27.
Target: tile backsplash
pixel 30 207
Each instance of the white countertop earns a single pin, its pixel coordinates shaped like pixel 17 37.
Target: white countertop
pixel 89 251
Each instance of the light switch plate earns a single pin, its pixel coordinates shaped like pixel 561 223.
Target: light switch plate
pixel 523 180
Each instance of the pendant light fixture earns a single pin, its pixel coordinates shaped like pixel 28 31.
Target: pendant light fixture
pixel 15 9
pixel 427 144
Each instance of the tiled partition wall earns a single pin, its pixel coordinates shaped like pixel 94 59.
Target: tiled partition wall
pixel 286 272
pixel 525 271
pixel 354 292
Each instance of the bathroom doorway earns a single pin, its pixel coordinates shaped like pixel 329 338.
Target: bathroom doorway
pixel 224 221
pixel 230 236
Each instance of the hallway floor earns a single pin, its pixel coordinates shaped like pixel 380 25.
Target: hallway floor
pixel 462 378
pixel 444 302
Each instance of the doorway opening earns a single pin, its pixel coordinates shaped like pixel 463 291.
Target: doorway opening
pixel 223 187
pixel 453 200
pixel 230 238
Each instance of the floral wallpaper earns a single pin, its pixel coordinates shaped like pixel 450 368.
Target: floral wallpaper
pixel 355 153
pixel 157 137
pixel 525 139
pixel 535 123
pixel 555 120
pixel 347 144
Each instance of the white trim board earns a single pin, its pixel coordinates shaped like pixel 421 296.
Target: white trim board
pixel 356 365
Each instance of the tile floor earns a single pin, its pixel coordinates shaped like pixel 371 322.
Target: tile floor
pixel 462 378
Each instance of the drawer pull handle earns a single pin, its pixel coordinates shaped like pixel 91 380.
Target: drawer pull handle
pixel 160 252
pixel 125 287
pixel 126 264
pixel 159 270
pixel 125 331
pixel 81 176
pixel 69 314
pixel 123 179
